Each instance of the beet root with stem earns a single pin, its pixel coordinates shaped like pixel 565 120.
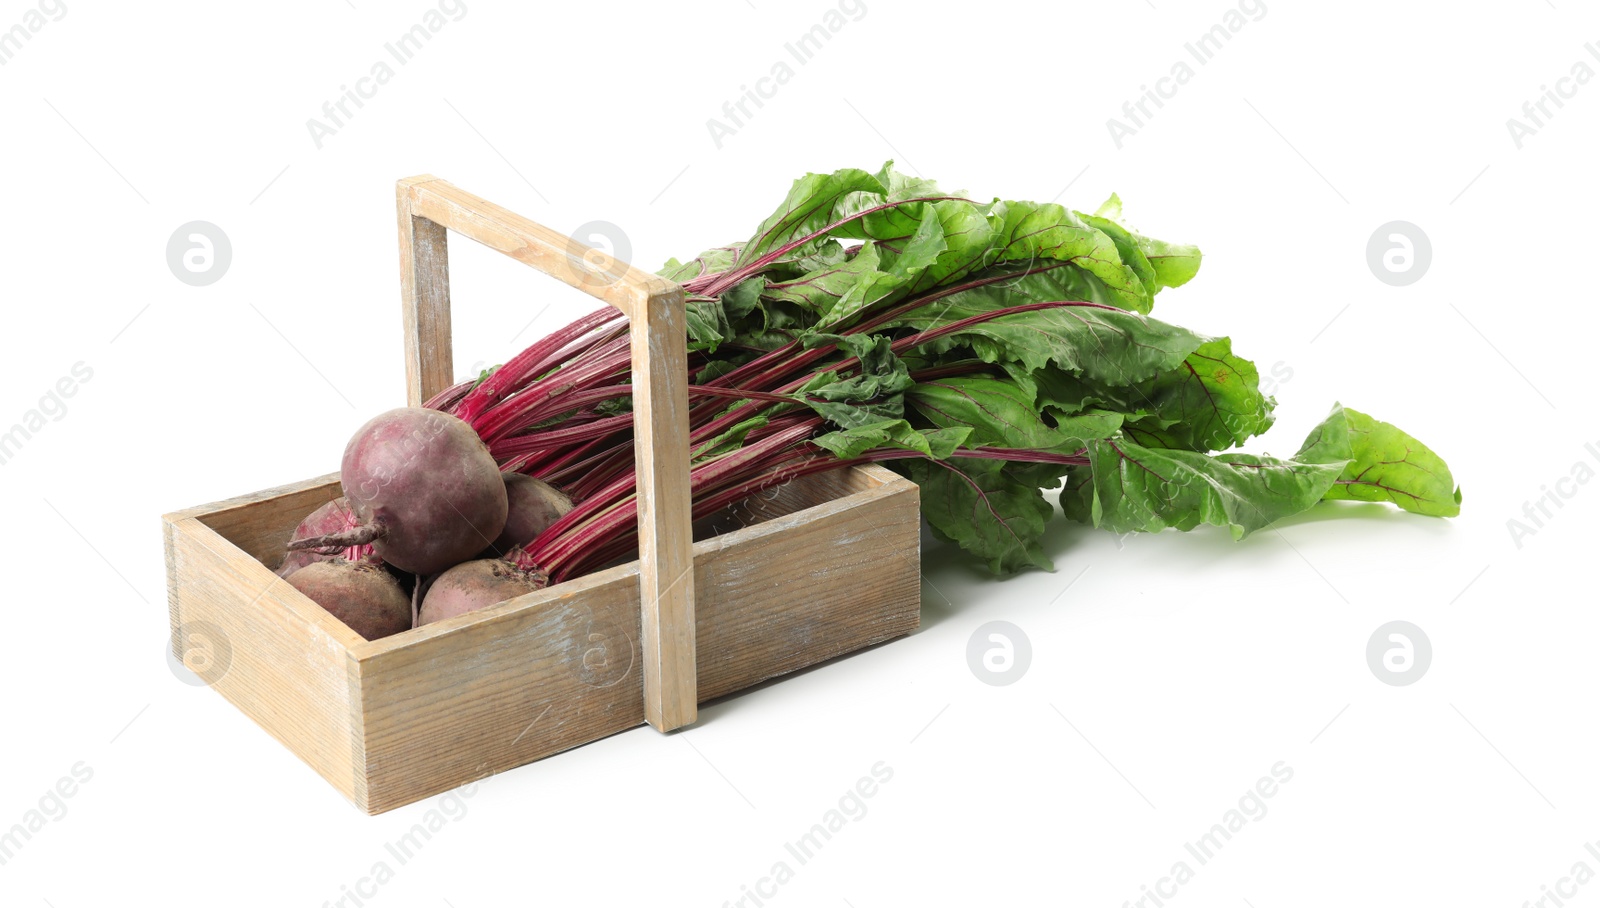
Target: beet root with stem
pixel 475 585
pixel 424 488
pixel 363 595
pixel 333 517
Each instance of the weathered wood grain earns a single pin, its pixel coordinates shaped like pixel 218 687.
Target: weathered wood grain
pixel 427 206
pixel 263 532
pixel 424 299
pixel 661 463
pixel 451 702
pixel 288 663
pixel 591 270
pixel 816 568
pixel 827 564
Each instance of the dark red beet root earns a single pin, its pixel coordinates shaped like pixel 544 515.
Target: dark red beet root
pixel 425 489
pixel 475 585
pixel 533 505
pixel 333 517
pixel 361 594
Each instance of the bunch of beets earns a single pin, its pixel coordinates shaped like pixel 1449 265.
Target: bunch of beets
pixel 986 350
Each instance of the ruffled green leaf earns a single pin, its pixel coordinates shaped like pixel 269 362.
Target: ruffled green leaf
pixel 1106 345
pixel 815 201
pixel 1211 402
pixel 708 262
pixel 1034 232
pixel 893 433
pixel 1384 464
pixel 1000 414
pixel 820 290
pixel 991 508
pixel 874 394
pixel 1151 489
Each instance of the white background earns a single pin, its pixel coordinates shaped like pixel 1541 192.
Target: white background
pixel 1174 673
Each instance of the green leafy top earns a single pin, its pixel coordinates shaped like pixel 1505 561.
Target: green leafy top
pixel 990 350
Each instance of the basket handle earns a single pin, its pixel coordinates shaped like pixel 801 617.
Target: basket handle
pixel 428 207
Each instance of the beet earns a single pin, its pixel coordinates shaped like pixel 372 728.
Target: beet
pixel 363 595
pixel 475 585
pixel 333 517
pixel 424 488
pixel 533 505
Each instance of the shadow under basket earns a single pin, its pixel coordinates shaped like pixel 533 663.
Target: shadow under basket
pixel 823 566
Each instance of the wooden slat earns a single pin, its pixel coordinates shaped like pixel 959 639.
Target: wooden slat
pixel 261 524
pixel 499 691
pixel 830 576
pixel 786 498
pixel 826 564
pixel 454 701
pixel 425 300
pixel 661 458
pixel 591 270
pixel 660 366
pixel 291 668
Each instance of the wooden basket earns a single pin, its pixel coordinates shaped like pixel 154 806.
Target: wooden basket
pixel 822 566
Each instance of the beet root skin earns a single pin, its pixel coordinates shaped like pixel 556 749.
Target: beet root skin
pixel 427 483
pixel 363 595
pixel 476 585
pixel 333 517
pixel 533 505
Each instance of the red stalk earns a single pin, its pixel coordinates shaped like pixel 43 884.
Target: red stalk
pixel 531 361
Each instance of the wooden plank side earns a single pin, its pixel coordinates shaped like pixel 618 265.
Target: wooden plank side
pixel 265 495
pixel 261 524
pixel 591 270
pixel 556 669
pixel 822 582
pixel 428 207
pixel 537 678
pixel 288 663
pixel 424 299
pixel 666 575
pixel 789 497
